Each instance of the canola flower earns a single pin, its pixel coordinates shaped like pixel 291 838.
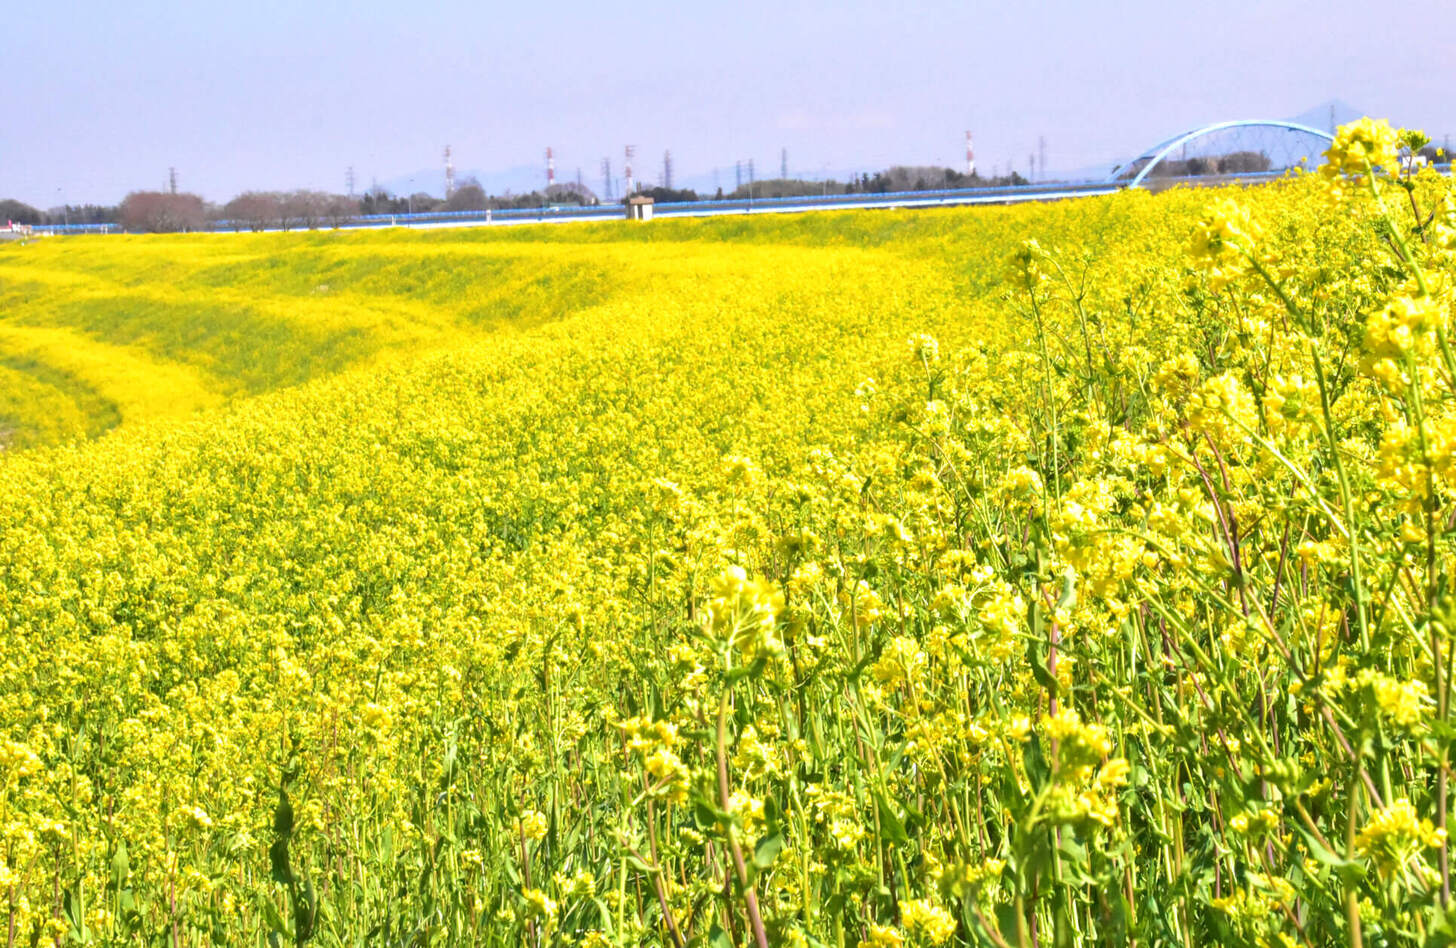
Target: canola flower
pixel 591 596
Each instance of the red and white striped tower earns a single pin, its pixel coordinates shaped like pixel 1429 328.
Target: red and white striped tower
pixel 970 157
pixel 631 153
pixel 550 168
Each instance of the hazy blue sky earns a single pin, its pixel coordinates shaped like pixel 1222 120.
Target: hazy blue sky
pixel 99 97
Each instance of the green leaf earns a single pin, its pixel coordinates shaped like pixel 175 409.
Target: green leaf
pixel 1348 870
pixel 751 671
pixel 305 912
pixel 1006 920
pixel 1036 765
pixel 1068 597
pixel 283 816
pixel 278 857
pixel 641 865
pixel 448 766
pixel 273 918
pixel 1072 849
pixel 767 850
pixel 708 816
pixel 1441 932
pixel 1036 658
pixel 120 865
pixel 718 938
pixel 892 827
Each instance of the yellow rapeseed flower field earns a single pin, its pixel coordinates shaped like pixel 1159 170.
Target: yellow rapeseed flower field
pixel 1056 575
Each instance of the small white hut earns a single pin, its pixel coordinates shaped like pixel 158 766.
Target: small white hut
pixel 639 208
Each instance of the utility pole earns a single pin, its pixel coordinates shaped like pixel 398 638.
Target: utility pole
pixel 1041 155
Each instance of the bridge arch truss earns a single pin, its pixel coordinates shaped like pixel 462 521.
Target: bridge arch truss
pixel 1244 147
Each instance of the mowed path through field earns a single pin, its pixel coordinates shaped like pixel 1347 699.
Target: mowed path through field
pixel 97 332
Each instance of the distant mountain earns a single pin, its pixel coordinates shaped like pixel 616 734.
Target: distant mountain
pixel 1327 116
pixel 1330 115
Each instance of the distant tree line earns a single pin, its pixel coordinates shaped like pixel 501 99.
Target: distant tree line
pixel 1236 162
pixel 165 211
pixel 927 178
pixel 897 178
pixel 22 213
pixel 162 211
pixel 470 196
pixel 287 210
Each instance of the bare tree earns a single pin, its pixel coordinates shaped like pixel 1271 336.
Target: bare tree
pixel 467 196
pixel 162 212
pixel 251 209
pixel 340 209
pixel 307 207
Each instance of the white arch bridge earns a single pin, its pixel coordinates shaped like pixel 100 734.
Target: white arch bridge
pixel 1239 149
